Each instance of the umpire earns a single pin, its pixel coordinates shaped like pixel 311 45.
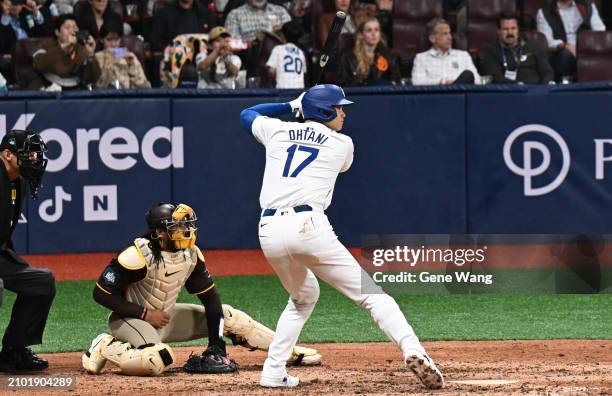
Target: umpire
pixel 21 153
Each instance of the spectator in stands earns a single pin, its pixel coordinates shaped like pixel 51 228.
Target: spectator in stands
pixel 442 64
pixel 382 10
pixel 287 62
pixel 370 62
pixel 120 67
pixel 65 6
pixel 63 62
pixel 20 22
pixel 560 21
pixel 180 17
pixel 256 15
pixel 513 60
pixel 94 14
pixel 327 19
pixel 228 6
pixel 220 67
pixel 457 12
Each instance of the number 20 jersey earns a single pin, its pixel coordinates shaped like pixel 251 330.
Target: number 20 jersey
pixel 302 162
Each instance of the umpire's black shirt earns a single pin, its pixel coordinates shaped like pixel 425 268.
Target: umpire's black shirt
pixel 11 198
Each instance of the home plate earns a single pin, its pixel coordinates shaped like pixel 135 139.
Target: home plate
pixel 489 382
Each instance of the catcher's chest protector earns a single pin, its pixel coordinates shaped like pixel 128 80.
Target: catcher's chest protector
pixel 162 284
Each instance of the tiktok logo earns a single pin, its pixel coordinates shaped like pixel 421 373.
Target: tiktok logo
pixel 55 204
pixel 528 170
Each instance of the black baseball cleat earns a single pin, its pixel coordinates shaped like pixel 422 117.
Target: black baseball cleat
pixel 21 360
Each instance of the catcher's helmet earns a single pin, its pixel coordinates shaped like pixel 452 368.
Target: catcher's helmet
pixel 29 148
pixel 319 101
pixel 178 220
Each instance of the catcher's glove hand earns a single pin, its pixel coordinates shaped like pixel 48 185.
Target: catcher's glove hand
pixel 212 361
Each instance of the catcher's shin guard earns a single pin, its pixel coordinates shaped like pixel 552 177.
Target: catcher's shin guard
pixel 245 331
pixel 147 360
pixel 92 360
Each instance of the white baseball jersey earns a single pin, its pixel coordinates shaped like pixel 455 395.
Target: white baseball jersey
pixel 302 162
pixel 289 63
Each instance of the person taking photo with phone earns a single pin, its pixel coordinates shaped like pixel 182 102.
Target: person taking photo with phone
pixel 66 61
pixel 120 68
pixel 220 66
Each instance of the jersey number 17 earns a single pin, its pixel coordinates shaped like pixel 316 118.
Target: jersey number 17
pixel 314 152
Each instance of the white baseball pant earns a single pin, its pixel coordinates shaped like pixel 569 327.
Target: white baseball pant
pixel 301 245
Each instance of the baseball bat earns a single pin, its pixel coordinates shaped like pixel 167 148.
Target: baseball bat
pixel 330 44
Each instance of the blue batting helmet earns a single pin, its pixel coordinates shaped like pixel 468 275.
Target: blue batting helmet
pixel 319 101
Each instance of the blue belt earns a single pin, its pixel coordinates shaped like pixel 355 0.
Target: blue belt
pixel 296 209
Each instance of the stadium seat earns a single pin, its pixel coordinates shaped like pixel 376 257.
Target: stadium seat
pixel 24 69
pixel 535 37
pixel 482 21
pixel 409 20
pixel 594 51
pixel 530 12
pixel 136 45
pixel 346 43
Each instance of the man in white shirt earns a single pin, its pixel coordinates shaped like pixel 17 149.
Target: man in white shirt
pixel 245 21
pixel 442 64
pixel 560 21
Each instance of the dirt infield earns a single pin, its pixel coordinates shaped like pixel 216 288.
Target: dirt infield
pixel 564 367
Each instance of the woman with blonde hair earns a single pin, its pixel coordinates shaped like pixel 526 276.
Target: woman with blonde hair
pixel 370 62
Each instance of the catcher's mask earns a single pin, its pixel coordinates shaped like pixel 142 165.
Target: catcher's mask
pixel 29 148
pixel 178 220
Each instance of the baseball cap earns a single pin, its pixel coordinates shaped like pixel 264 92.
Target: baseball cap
pixel 14 140
pixel 216 32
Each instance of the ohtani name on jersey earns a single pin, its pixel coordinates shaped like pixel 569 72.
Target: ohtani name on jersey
pixel 307 135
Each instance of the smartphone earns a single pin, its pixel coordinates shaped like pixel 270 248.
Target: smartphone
pixel 82 36
pixel 120 52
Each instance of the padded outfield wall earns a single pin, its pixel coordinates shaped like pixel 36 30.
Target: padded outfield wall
pixel 528 160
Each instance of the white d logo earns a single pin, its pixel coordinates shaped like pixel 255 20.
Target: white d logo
pixel 527 171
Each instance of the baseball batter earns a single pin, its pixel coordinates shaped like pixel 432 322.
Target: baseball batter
pixel 303 161
pixel 141 285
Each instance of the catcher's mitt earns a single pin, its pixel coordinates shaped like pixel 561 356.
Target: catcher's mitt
pixel 212 361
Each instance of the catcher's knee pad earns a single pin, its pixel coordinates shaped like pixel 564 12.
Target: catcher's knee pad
pixel 147 360
pixel 244 330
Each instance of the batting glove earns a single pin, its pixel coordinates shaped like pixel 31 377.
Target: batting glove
pixel 296 104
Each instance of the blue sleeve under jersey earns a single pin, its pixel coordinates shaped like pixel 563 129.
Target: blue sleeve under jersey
pixel 247 116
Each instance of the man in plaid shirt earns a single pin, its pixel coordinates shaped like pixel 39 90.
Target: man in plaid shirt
pixel 254 16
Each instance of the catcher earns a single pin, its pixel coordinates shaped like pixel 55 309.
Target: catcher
pixel 141 285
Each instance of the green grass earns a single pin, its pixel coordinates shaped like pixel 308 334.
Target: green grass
pixel 76 319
